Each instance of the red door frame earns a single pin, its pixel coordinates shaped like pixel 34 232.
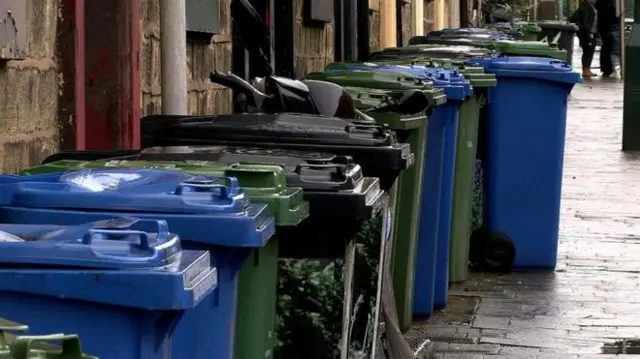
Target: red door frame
pixel 107 74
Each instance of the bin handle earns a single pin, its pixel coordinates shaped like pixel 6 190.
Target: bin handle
pixel 339 167
pixel 144 236
pixel 230 187
pixel 71 346
pixel 363 125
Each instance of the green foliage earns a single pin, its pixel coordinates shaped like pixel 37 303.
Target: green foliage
pixel 478 198
pixel 310 300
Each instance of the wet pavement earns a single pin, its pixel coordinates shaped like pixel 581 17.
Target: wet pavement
pixel 591 304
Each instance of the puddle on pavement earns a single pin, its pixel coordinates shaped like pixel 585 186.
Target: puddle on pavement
pixel 626 346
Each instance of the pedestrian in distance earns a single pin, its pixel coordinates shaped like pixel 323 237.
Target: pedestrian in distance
pixel 586 18
pixel 607 24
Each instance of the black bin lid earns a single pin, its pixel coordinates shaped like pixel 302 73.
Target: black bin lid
pixel 373 146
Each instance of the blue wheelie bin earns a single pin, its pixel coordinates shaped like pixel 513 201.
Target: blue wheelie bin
pixel 437 192
pixel 431 281
pixel 525 137
pixel 121 289
pixel 209 213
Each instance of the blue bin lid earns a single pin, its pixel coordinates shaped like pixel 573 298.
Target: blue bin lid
pixel 206 212
pixel 108 179
pixel 183 197
pixel 110 244
pixel 455 86
pixel 541 68
pixel 169 289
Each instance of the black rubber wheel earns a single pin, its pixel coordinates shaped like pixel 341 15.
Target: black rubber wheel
pixel 491 251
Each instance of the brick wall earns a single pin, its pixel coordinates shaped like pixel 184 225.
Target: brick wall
pixel 28 93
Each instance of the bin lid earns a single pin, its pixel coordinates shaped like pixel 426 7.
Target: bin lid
pixel 530 48
pixel 263 183
pixel 370 98
pixel 530 27
pixel 321 173
pixel 373 146
pixel 168 289
pixel 450 80
pixel 557 25
pixel 109 244
pixel 328 181
pixel 108 179
pixel 453 40
pixel 223 194
pixel 434 51
pixel 378 80
pixel 530 67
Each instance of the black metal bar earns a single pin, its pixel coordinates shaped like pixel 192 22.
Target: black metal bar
pixel 255 68
pixel 399 6
pixel 363 27
pixel 338 30
pixel 350 11
pixel 284 26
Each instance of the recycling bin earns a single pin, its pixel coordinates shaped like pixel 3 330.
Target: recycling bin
pixel 431 273
pixel 257 281
pixel 109 281
pixel 328 182
pixel 437 196
pixel 466 149
pixel 560 33
pixel 191 205
pixel 524 158
pixel 368 91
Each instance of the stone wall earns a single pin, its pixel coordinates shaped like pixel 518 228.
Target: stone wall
pixel 202 57
pixel 314 45
pixel 29 93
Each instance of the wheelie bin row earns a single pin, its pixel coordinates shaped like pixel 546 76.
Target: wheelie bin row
pixel 219 269
pixel 515 110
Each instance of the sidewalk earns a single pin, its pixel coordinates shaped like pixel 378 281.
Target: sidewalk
pixel 592 301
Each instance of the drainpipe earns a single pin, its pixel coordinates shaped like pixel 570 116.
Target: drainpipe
pixel 388 36
pixel 621 10
pixel 173 40
pixel 417 13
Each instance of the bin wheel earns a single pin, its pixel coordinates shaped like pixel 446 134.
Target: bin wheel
pixel 491 251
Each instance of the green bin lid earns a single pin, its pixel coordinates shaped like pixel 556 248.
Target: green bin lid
pixel 15 346
pixel 530 27
pixel 530 48
pixel 33 347
pixel 371 79
pixel 557 25
pixel 264 183
pixel 367 98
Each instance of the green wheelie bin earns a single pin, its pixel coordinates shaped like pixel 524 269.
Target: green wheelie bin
pixel 369 90
pixel 257 283
pixel 468 125
pixel 560 33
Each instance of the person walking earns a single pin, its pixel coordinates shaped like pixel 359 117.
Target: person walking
pixel 607 24
pixel 586 18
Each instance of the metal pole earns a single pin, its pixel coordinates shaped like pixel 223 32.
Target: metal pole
pixel 622 11
pixel 173 39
